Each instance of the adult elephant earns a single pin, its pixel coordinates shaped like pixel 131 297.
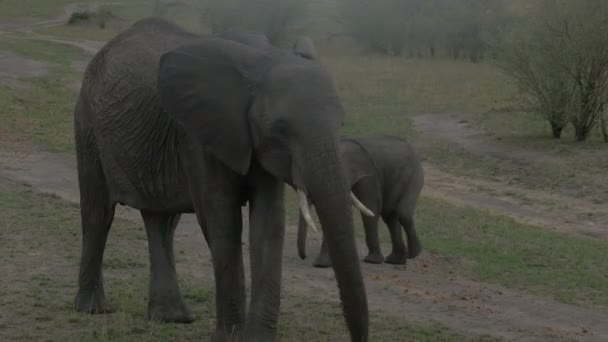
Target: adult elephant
pixel 170 122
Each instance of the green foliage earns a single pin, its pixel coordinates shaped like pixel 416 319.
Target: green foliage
pixel 274 18
pixel 78 16
pixel 39 302
pixel 567 267
pixel 101 17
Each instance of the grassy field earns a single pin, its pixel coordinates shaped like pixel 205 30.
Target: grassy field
pixel 380 95
pixel 15 9
pixel 393 89
pixel 42 111
pixel 36 301
pixel 496 249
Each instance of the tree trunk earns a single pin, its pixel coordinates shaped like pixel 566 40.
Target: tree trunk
pixel 556 129
pixel 603 124
pixel 581 132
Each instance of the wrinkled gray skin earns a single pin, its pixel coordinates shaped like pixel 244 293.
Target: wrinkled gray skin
pixel 169 122
pixel 387 177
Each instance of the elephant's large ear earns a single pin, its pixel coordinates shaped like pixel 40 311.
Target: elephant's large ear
pixel 305 48
pixel 203 88
pixel 358 164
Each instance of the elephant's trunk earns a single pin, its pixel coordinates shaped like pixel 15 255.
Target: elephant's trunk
pixel 327 185
pixel 306 220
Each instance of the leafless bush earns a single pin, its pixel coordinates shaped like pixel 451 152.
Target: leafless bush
pixel 560 61
pixel 100 17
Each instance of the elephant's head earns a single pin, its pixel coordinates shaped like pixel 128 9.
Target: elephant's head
pixel 281 110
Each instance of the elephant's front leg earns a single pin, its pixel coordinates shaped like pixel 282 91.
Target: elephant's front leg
pixel 266 233
pixel 226 252
pixel 224 228
pixel 215 192
pixel 165 301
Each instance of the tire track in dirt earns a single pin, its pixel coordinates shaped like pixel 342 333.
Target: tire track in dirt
pixel 26 29
pixel 546 209
pixel 426 291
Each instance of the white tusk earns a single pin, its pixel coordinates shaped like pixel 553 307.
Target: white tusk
pixel 306 210
pixel 360 205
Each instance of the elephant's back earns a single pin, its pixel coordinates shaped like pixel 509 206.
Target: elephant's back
pixel 397 162
pixel 138 143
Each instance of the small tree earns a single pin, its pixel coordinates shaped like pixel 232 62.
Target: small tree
pixel 604 126
pixel 584 26
pixel 560 62
pixel 545 88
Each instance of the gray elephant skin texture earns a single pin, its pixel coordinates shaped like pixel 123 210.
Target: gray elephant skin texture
pixel 169 122
pixel 386 175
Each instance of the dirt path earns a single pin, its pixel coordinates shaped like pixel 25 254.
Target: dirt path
pixel 26 29
pixel 543 208
pixel 426 291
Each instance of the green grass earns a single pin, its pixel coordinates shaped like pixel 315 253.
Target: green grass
pixel 43 110
pixel 40 114
pixel 566 168
pixel 41 250
pixel 532 131
pixel 568 267
pixel 88 31
pixel 126 14
pixel 492 248
pixel 379 94
pixel 60 55
pixel 15 9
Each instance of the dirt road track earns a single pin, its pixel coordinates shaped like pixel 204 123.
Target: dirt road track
pixel 424 291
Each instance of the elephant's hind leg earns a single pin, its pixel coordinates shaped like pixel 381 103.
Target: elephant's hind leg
pixel 413 243
pixel 97 214
pixel 374 255
pixel 398 255
pixel 165 301
pixel 406 218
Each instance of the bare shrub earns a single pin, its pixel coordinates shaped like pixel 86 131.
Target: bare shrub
pixel 604 126
pixel 78 16
pixel 545 89
pixel 100 17
pixel 560 61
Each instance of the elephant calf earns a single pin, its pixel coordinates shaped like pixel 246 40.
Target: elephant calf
pixel 386 176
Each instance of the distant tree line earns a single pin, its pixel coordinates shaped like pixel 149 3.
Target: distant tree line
pixel 271 17
pixel 425 28
pixel 555 50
